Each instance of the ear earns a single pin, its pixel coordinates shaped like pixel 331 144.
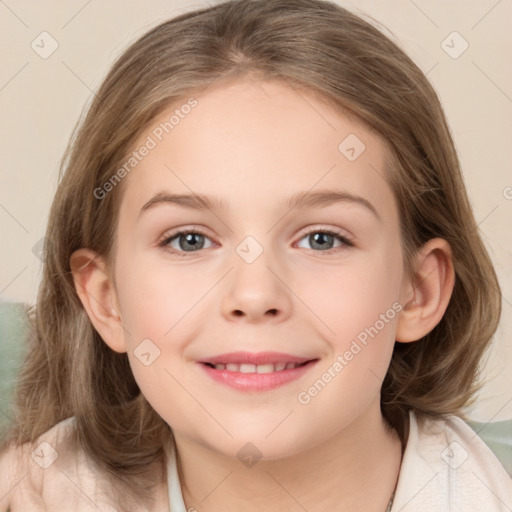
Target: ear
pixel 427 294
pixel 98 296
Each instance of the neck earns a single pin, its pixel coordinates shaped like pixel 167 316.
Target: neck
pixel 356 470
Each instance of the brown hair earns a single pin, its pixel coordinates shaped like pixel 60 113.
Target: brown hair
pixel 319 47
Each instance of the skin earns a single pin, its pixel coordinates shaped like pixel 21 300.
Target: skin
pixel 254 144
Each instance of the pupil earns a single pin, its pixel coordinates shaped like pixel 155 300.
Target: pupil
pixel 189 242
pixel 321 240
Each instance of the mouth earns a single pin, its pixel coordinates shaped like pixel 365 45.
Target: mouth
pixel 257 368
pixel 264 371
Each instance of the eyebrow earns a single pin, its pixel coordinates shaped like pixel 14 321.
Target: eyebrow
pixel 300 200
pixel 326 198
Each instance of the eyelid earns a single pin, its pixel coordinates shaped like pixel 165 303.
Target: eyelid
pixel 342 235
pixel 163 242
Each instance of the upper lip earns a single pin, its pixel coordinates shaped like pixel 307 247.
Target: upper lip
pixel 255 358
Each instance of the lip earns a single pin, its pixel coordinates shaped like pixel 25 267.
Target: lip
pixel 255 358
pixel 258 381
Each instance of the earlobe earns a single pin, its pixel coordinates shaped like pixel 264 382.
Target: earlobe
pixel 427 295
pixel 98 296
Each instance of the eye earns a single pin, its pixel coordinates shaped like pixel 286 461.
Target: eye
pixel 191 240
pixel 323 240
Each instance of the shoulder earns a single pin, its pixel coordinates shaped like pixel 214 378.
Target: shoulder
pixel 47 473
pixel 446 466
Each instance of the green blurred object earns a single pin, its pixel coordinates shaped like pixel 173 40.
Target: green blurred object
pixel 498 437
pixel 13 332
pixel 14 329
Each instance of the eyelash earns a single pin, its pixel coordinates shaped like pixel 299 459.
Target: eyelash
pixel 164 243
pixel 197 231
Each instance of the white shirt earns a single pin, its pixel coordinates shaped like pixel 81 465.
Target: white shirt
pixel 446 467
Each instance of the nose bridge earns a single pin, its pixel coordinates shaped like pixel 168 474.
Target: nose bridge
pixel 254 290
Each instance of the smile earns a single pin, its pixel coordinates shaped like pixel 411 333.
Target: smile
pixel 252 368
pixel 244 371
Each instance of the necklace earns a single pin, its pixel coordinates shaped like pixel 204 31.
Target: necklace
pixel 390 504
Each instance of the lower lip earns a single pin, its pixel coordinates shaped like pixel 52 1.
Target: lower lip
pixel 257 381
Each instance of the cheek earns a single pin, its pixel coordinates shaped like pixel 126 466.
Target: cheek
pixel 161 314
pixel 154 298
pixel 350 298
pixel 358 308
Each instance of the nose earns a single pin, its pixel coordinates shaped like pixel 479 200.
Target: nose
pixel 256 292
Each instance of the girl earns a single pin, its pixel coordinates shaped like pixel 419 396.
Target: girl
pixel 264 288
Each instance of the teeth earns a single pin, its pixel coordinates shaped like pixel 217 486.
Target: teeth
pixel 256 368
pixel 265 368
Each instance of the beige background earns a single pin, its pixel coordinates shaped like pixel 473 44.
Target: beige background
pixel 41 100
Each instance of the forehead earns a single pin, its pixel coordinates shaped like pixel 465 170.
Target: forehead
pixel 249 140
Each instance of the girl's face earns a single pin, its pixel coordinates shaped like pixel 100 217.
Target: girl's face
pixel 296 249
